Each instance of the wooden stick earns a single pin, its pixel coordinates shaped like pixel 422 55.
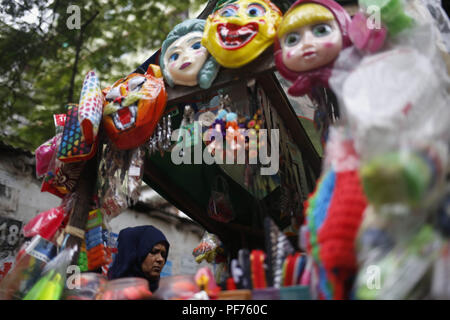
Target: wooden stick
pixel 84 191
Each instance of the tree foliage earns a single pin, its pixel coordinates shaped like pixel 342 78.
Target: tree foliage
pixel 43 62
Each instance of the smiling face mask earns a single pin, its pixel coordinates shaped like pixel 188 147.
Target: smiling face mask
pixel 239 31
pixel 133 108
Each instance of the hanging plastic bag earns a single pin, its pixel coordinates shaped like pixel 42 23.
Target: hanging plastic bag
pixel 396 104
pixel 44 154
pixel 208 248
pixel 91 107
pixel 61 178
pixel 28 269
pixel 51 284
pixel 219 206
pixel 120 177
pixel 45 223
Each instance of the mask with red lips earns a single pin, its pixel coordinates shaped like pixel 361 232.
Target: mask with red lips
pixel 239 31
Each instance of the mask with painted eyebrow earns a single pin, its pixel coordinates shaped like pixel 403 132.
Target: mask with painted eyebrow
pixel 238 32
pixel 183 61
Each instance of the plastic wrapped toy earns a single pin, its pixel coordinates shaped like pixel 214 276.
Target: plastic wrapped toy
pixel 208 248
pixel 182 287
pixel 205 280
pixel 184 60
pixel 309 39
pixel 45 223
pixel 91 107
pixel 395 104
pixel 120 177
pixel 27 270
pixel 333 216
pixel 237 32
pixel 44 154
pixel 134 106
pixel 399 122
pixel 53 279
pixel 125 289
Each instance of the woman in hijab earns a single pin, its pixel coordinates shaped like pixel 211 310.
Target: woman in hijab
pixel 142 252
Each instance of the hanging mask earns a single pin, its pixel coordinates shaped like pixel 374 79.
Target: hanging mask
pixel 184 60
pixel 309 39
pixel 133 108
pixel 239 31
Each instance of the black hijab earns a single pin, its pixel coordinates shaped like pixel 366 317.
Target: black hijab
pixel 134 244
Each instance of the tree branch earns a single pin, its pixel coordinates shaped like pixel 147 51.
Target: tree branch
pixel 77 56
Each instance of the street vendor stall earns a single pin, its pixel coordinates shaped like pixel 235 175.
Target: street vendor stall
pixel 273 125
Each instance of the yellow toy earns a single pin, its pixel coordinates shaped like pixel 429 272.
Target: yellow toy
pixel 238 31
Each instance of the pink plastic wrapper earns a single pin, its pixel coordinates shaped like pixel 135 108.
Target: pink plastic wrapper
pixel 44 154
pixel 45 223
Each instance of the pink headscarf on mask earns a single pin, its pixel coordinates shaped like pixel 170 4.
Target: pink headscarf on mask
pixel 303 82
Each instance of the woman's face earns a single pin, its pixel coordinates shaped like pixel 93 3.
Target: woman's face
pixel 185 57
pixel 311 46
pixel 154 262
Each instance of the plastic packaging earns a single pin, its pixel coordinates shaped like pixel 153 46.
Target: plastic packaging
pixel 44 154
pixel 219 206
pixel 397 274
pixel 45 223
pixel 205 281
pixel 125 289
pixel 181 287
pixel 53 279
pixel 120 178
pixel 27 270
pixel 88 288
pixel 208 248
pixel 61 178
pixel 395 103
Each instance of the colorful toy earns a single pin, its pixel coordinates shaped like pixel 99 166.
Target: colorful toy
pixel 204 279
pixel 257 259
pixel 184 60
pixel 27 270
pixel 73 146
pixel 51 284
pixel 309 39
pixel 333 216
pixel 90 107
pixel 134 106
pixel 238 31
pixel 97 254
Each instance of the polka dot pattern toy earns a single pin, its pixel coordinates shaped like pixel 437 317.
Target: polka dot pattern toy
pixel 90 107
